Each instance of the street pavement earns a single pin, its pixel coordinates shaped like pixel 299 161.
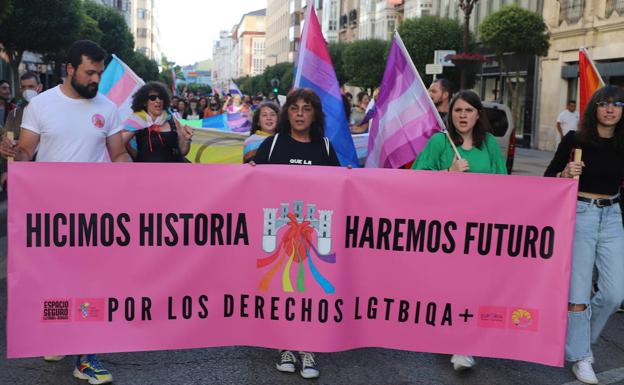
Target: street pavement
pixel 246 365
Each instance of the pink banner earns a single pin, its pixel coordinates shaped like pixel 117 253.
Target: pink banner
pixel 117 257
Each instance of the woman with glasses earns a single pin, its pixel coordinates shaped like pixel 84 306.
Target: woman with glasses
pixel 158 136
pixel 598 232
pixel 300 140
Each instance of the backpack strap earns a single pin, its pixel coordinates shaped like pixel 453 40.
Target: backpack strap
pixel 272 146
pixel 326 140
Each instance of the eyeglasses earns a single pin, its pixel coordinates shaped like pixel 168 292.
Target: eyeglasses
pixel 154 97
pixel 607 104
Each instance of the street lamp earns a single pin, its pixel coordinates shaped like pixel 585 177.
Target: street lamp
pixel 466 6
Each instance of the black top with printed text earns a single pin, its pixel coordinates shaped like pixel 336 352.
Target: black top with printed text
pixel 289 151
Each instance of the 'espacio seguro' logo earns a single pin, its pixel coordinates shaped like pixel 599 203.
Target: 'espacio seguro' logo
pixel 304 241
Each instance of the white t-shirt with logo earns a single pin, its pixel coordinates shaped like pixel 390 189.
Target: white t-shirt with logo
pixel 71 130
pixel 568 121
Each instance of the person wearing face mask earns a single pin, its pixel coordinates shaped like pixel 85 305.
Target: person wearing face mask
pixel 30 86
pixel 468 128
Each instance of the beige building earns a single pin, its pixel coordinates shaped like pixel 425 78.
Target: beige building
pixel 597 25
pixel 249 44
pixel 379 18
pixel 144 27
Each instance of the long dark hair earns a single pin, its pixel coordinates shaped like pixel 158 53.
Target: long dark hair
pixel 255 123
pixel 139 99
pixel 482 125
pixel 317 128
pixel 588 133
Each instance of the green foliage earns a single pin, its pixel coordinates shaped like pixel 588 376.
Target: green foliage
pixel 287 80
pixel 89 29
pixel 513 29
pixel 336 51
pixel 145 68
pixel 117 38
pixel 364 62
pixel 424 35
pixel 40 25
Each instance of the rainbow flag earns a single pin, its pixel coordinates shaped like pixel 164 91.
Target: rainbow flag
pixel 589 79
pixel 118 84
pixel 405 118
pixel 235 122
pixel 314 69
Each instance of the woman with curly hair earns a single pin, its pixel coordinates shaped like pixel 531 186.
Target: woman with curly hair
pixel 159 137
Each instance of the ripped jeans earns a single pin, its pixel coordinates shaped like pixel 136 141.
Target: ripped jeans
pixel 598 240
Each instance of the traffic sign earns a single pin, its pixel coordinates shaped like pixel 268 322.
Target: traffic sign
pixel 434 69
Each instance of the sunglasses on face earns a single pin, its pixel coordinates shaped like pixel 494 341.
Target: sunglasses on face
pixel 607 104
pixel 154 97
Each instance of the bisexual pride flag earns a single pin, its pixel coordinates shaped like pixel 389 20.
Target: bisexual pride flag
pixel 405 118
pixel 118 84
pixel 314 70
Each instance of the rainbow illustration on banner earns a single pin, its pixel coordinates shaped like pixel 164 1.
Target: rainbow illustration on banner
pixel 296 245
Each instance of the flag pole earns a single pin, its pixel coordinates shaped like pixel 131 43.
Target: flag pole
pixel 411 63
pixel 591 62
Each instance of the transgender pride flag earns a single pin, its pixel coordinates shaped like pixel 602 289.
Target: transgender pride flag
pixel 118 84
pixel 314 70
pixel 406 117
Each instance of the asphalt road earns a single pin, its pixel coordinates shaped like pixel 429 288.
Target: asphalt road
pixel 245 365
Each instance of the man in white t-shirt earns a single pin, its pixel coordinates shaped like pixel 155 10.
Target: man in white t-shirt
pixel 73 123
pixel 568 119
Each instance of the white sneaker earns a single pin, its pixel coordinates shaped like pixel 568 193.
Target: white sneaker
pixel 287 362
pixel 309 367
pixel 584 372
pixel 461 362
pixel 53 358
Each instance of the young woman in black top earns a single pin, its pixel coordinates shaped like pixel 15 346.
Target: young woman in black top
pixel 598 234
pixel 159 138
pixel 300 140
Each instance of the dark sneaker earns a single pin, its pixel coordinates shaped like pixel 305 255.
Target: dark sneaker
pixel 286 362
pixel 89 368
pixel 309 367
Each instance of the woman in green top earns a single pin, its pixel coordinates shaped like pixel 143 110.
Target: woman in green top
pixel 469 129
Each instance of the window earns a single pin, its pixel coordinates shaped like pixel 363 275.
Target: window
pixel 141 32
pixel 571 11
pixel 141 13
pixel 614 6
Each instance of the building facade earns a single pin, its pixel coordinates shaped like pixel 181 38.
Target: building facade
pixel 223 60
pixel 379 18
pixel 144 27
pixel 249 44
pixel 597 25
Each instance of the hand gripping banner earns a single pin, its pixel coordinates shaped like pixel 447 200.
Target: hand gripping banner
pixel 133 257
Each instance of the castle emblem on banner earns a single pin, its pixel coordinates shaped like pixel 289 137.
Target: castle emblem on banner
pixel 296 240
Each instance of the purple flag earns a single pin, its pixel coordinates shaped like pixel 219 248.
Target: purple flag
pixel 406 117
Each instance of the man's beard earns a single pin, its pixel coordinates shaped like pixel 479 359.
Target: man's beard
pixel 88 92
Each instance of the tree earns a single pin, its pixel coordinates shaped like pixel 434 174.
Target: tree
pixel 514 30
pixel 336 51
pixel 426 34
pixel 145 68
pixel 42 26
pixel 364 62
pixel 117 39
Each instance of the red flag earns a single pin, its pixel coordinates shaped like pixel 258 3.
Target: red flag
pixel 589 79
